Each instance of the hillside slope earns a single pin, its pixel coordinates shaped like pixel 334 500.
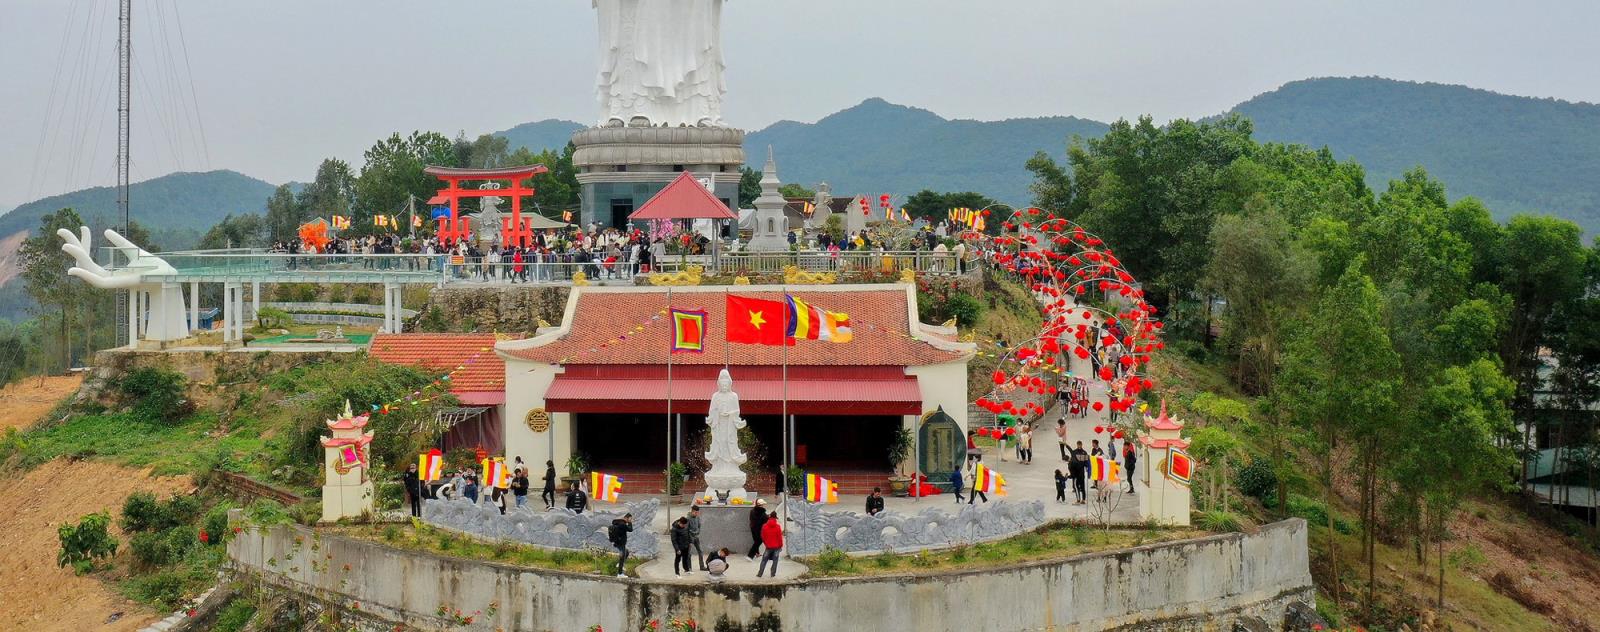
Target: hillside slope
pixel 538 136
pixel 1518 154
pixel 175 205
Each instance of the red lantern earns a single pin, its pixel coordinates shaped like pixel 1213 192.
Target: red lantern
pixel 1098 406
pixel 1116 435
pixel 1099 429
pixel 999 377
pixel 1106 373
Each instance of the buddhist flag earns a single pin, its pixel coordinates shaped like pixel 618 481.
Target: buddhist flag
pixel 905 216
pixel 821 490
pixel 1104 469
pixel 378 220
pixel 416 222
pixel 566 216
pixel 430 466
pixel 988 481
pixel 605 486
pixel 756 321
pixel 808 322
pixel 494 473
pixel 688 330
pixel 1179 466
pixel 341 222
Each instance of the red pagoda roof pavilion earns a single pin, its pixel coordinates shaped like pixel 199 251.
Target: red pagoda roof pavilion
pixel 684 198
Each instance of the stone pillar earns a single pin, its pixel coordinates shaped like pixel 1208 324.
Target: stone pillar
pixel 133 318
pixel 194 307
pixel 255 300
pixel 391 308
pixel 230 315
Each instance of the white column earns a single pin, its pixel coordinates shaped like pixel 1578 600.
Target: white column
pixel 391 308
pixel 238 321
pixel 194 307
pixel 229 314
pixel 255 300
pixel 133 317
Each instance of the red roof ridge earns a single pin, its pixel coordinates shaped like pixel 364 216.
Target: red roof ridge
pixel 684 190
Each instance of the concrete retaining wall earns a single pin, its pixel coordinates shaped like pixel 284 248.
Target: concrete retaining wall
pixel 1199 584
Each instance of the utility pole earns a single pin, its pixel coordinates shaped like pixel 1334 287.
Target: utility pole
pixel 124 100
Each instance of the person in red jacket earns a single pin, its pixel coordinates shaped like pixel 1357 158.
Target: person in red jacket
pixel 772 537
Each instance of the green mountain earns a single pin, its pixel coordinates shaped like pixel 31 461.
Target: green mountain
pixel 879 147
pixel 538 136
pixel 177 208
pixel 1517 154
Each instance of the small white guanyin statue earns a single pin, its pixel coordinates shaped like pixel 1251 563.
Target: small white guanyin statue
pixel 724 454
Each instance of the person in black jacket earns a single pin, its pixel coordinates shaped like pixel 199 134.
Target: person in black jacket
pixel 618 534
pixel 414 489
pixel 758 519
pixel 680 546
pixel 875 502
pixel 549 494
pixel 519 487
pixel 577 501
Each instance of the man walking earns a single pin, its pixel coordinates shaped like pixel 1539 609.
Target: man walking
pixel 1080 462
pixel 758 521
pixel 549 494
pixel 976 492
pixel 956 483
pixel 694 536
pixel 772 537
pixel 519 487
pixel 1130 460
pixel 618 534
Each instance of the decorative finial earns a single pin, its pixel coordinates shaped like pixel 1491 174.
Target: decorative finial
pixel 347 413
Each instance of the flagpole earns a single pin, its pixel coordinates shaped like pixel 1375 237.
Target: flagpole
pixel 783 500
pixel 667 488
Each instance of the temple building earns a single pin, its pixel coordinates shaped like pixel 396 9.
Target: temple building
pixel 476 377
pixel 606 385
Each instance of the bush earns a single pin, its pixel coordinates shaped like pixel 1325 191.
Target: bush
pixel 1257 480
pixel 1468 558
pixel 267 513
pixel 85 542
pixel 965 309
pixel 273 318
pixel 216 523
pixel 182 539
pixel 307 513
pixel 305 293
pixel 831 560
pixel 163 590
pixel 235 616
pixel 361 294
pixel 1220 521
pixel 151 549
pixel 677 473
pixel 794 479
pixel 141 512
pixel 156 396
pixel 1315 513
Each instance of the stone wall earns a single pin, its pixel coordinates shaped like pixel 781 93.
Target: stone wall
pixel 816 530
pixel 1200 584
pixel 504 309
pixel 557 528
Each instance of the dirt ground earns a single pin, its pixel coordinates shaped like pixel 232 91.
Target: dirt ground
pixel 24 403
pixel 40 596
pixel 1536 563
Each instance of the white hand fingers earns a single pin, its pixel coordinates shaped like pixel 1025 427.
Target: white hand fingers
pixel 101 281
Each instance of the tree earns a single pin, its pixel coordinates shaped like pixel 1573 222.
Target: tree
pixel 1264 277
pixel 392 174
pixel 793 190
pixel 1542 268
pixel 44 270
pixel 1450 452
pixel 284 215
pixel 1339 379
pixel 331 193
pixel 935 206
pixel 236 231
pixel 1052 187
pixel 749 186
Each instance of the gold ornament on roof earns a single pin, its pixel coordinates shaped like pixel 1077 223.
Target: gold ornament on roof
pixel 793 275
pixel 689 275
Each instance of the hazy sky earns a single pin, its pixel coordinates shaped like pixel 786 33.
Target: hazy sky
pixel 280 84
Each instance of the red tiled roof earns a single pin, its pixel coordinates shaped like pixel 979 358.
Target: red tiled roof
pixel 879 318
pixel 684 198
pixel 441 353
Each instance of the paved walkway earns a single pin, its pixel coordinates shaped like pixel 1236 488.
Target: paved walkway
pixel 741 570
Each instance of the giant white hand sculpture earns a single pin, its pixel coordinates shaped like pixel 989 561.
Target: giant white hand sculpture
pixel 166 316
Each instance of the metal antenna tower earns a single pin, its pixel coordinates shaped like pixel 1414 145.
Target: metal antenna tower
pixel 124 100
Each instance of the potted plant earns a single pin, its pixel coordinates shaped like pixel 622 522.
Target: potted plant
pixel 899 450
pixel 577 466
pixel 795 480
pixel 677 473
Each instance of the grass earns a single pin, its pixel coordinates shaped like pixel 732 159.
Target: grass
pixel 431 540
pixel 1055 541
pixel 129 440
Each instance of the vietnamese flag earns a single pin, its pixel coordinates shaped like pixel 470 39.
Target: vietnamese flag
pixel 758 322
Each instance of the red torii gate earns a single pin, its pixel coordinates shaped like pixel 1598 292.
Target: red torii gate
pixel 513 230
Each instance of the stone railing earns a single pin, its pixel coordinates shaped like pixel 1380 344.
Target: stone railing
pixel 557 529
pixel 1206 583
pixel 815 530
